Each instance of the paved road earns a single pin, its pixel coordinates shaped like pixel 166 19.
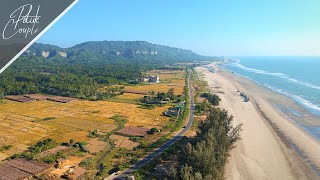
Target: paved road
pixel 170 142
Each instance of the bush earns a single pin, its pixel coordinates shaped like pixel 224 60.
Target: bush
pixel 212 98
pixel 87 163
pixel 202 108
pixel 119 121
pixel 153 130
pixel 54 157
pixel 135 138
pixel 42 146
pixel 5 148
pixel 93 134
pixel 48 118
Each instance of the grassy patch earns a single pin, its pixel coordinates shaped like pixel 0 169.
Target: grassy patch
pixel 147 106
pixel 119 121
pixel 36 149
pixel 48 118
pixel 5 148
pixel 135 138
pixel 126 101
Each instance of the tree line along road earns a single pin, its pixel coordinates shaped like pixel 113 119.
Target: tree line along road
pixel 166 145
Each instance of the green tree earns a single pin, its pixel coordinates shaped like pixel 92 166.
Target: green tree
pixel 1 94
pixel 186 173
pixel 206 157
pixel 152 93
pixel 161 96
pixel 153 130
pixel 170 94
pixel 212 98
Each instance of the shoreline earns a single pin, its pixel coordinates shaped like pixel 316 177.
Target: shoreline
pixel 280 134
pixel 287 141
pixel 296 111
pixel 289 102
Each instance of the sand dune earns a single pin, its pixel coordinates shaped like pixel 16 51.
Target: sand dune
pixel 263 152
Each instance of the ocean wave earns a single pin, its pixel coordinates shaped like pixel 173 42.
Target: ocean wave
pixel 299 99
pixel 281 75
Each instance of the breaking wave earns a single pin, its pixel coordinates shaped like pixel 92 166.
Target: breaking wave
pixel 281 75
pixel 301 100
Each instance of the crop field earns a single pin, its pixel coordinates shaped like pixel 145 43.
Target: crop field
pixel 168 79
pixel 130 96
pixel 157 88
pixel 23 124
pixel 125 142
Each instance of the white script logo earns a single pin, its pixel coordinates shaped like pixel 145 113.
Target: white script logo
pixel 21 22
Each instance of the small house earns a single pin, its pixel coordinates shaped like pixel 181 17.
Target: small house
pixel 150 79
pixel 38 97
pixel 172 112
pixel 61 99
pixel 154 79
pixel 20 98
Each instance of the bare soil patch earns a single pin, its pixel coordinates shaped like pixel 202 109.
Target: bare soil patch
pixel 94 145
pixel 125 142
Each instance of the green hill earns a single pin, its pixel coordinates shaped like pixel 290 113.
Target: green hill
pixel 80 70
pixel 110 51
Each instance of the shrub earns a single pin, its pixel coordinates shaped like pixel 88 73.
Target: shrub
pixel 212 98
pixel 93 134
pixel 135 138
pixel 87 163
pixel 48 118
pixel 153 130
pixel 5 148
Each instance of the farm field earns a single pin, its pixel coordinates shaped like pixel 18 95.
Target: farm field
pixel 85 131
pixel 168 79
pixel 23 124
pixel 130 96
pixel 125 142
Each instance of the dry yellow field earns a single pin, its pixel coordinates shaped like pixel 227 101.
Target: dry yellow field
pixel 23 124
pixel 156 88
pixel 130 96
pixel 168 79
pixel 169 76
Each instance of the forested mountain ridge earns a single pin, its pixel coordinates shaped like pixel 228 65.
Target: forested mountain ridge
pixel 81 70
pixel 109 51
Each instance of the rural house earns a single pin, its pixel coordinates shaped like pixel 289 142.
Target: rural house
pixel 150 79
pixel 173 111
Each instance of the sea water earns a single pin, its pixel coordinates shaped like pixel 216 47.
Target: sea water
pixel 295 77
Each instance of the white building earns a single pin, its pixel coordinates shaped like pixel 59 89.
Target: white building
pixel 150 79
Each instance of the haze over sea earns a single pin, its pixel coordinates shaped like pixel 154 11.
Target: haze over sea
pixel 295 77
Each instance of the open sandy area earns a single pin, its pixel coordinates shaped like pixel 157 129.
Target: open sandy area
pixel 265 150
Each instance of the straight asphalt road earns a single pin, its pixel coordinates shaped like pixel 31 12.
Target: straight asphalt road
pixel 170 142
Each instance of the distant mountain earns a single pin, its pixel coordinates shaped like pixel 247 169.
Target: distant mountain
pixel 110 51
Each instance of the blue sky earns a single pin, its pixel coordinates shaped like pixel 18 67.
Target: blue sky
pixel 208 27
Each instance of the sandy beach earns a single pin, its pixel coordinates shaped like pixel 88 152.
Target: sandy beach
pixel 266 148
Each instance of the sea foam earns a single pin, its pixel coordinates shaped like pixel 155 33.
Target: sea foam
pixel 281 75
pixel 297 98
